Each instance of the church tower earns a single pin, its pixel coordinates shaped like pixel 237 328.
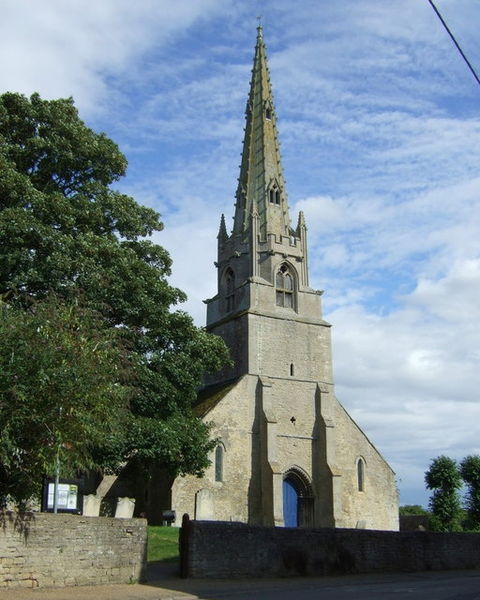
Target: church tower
pixel 288 453
pixel 265 308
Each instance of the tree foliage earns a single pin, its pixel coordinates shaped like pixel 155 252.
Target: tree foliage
pixel 470 472
pixel 63 389
pixel 64 230
pixel 413 510
pixel 443 477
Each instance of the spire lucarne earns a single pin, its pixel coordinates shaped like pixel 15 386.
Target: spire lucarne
pixel 261 180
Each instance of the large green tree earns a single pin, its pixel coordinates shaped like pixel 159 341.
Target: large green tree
pixel 65 230
pixel 63 390
pixel 470 471
pixel 443 477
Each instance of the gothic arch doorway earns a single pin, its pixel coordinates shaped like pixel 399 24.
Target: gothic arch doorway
pixel 297 499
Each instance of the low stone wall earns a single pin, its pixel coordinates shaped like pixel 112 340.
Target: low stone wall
pixel 41 550
pixel 213 549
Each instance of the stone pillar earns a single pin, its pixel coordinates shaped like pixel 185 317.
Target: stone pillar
pixel 278 499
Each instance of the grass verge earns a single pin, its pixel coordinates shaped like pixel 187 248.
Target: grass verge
pixel 162 543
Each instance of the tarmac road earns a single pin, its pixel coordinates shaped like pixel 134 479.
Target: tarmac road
pixel 465 586
pixel 446 585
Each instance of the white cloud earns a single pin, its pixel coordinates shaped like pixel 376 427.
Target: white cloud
pixel 454 298
pixel 411 377
pixel 323 212
pixel 71 48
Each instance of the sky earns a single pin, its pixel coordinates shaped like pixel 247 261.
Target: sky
pixel 379 124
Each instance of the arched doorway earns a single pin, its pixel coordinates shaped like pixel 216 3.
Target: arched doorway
pixel 297 499
pixel 290 503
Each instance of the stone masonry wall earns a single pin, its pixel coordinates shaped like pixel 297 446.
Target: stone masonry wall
pixel 230 550
pixel 46 550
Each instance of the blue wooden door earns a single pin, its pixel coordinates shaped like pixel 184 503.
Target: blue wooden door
pixel 290 504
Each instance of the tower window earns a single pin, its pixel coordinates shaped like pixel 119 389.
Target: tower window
pixel 229 290
pixel 361 475
pixel 219 450
pixel 292 370
pixel 285 287
pixel 268 114
pixel 274 195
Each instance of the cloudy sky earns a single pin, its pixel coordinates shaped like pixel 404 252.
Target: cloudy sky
pixel 380 128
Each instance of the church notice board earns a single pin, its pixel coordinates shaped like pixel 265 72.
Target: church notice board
pixel 70 496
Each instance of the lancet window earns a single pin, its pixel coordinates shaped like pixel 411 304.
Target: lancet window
pixel 229 290
pixel 361 475
pixel 285 287
pixel 219 451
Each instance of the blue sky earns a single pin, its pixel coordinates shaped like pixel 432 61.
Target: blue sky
pixel 380 135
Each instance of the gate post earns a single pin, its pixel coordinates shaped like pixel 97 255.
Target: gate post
pixel 184 546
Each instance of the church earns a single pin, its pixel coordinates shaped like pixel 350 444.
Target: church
pixel 288 453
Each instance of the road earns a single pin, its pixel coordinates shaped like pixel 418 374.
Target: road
pixel 424 586
pixel 452 585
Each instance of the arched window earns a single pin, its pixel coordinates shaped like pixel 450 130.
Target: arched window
pixel 274 195
pixel 285 287
pixel 361 475
pixel 268 113
pixel 219 450
pixel 229 290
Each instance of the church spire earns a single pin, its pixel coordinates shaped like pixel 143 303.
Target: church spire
pixel 261 180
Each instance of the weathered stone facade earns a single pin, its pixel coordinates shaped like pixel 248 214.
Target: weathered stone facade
pixel 289 454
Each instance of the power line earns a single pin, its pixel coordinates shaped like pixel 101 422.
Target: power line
pixel 455 41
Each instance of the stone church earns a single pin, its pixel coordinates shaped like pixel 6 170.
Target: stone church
pixel 288 453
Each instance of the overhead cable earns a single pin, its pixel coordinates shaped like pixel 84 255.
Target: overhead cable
pixel 455 41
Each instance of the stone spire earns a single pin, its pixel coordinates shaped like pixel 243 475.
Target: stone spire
pixel 261 180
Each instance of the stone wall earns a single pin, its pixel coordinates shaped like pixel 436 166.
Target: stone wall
pixel 213 549
pixel 43 550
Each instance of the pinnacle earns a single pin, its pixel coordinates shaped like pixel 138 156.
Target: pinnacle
pixel 222 232
pixel 301 222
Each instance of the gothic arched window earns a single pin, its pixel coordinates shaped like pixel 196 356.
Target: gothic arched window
pixel 219 451
pixel 361 475
pixel 285 287
pixel 229 290
pixel 274 195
